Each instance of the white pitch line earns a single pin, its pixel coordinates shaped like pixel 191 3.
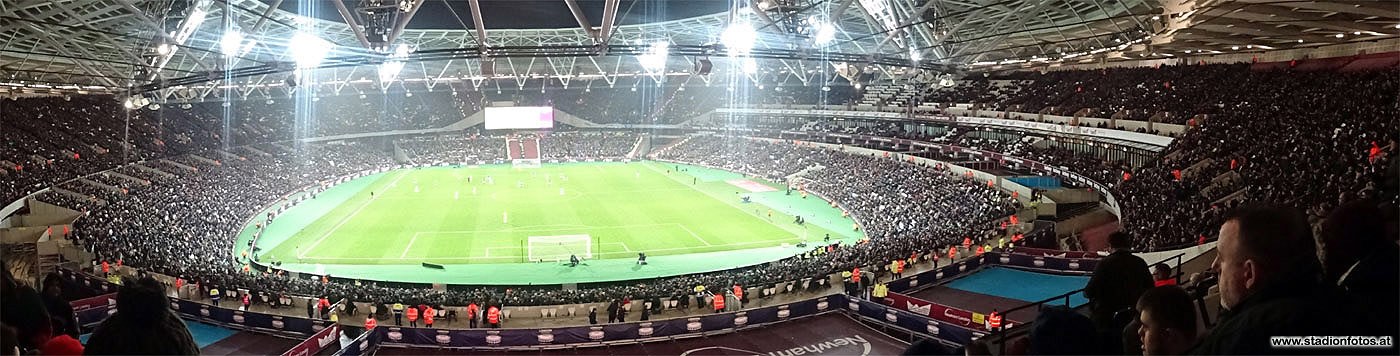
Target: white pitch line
pixel 302 253
pixel 415 239
pixel 693 234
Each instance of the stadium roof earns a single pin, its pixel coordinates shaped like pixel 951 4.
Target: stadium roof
pixel 181 46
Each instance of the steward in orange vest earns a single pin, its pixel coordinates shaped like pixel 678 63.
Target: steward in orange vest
pixel 428 316
pixel 472 313
pixel 493 317
pixel 412 316
pixel 370 323
pixel 739 295
pixel 718 301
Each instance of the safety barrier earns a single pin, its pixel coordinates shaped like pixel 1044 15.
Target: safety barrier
pixel 316 342
pixel 360 345
pixel 936 328
pixel 601 335
pixel 92 310
pixel 278 325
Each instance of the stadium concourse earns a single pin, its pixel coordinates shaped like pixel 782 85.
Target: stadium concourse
pixel 162 194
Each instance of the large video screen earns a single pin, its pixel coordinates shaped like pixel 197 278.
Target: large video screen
pixel 519 117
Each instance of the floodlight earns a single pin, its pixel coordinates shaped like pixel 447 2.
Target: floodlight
pixel 915 56
pixel 230 43
pixel 825 34
pixel 308 50
pixel 654 59
pixel 163 49
pixel 738 37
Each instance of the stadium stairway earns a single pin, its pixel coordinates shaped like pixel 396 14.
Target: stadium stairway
pixel 642 146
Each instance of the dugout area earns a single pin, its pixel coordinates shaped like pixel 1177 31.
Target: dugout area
pixel 687 220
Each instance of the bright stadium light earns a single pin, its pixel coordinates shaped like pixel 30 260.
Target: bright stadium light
pixel 739 37
pixel 654 59
pixel 915 56
pixel 825 33
pixel 230 43
pixel 390 69
pixel 308 50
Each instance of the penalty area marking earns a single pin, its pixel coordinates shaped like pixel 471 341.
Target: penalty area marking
pixel 302 253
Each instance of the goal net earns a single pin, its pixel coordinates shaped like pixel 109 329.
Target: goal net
pixel 558 247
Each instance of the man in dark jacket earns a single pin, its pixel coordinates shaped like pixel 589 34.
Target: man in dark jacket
pixel 1270 286
pixel 1357 256
pixel 1118 282
pixel 143 324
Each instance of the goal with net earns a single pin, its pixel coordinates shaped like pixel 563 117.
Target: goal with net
pixel 558 247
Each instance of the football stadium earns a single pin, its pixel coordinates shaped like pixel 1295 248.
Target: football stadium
pixel 711 177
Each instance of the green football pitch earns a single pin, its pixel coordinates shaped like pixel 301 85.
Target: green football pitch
pixel 495 215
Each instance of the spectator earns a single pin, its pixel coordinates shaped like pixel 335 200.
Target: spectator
pixel 59 309
pixel 24 311
pixel 143 324
pixel 1167 321
pixel 1117 283
pixel 1061 331
pixel 62 345
pixel 1357 256
pixel 1162 275
pixel 1269 285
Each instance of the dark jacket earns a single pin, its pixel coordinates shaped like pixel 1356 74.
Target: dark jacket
pixel 163 334
pixel 1375 280
pixel 1296 304
pixel 1118 281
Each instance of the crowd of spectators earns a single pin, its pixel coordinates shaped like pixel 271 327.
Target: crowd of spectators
pixel 454 148
pixel 580 145
pixel 1308 140
pixel 906 207
pixel 1139 91
pixel 286 118
pixel 49 140
pixel 183 224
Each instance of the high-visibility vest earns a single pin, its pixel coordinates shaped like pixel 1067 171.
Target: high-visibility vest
pixel 370 323
pixel 718 301
pixel 472 309
pixel 105 267
pixel 493 315
pixel 246 299
pixel 855 275
pixel 1001 242
pixel 952 253
pixel 994 320
pixel 428 315
pixel 738 292
pixel 213 292
pixel 967 242
pixel 412 314
pixel 398 308
pixel 980 250
pixel 179 282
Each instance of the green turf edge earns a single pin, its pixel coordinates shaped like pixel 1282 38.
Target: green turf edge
pixel 594 271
